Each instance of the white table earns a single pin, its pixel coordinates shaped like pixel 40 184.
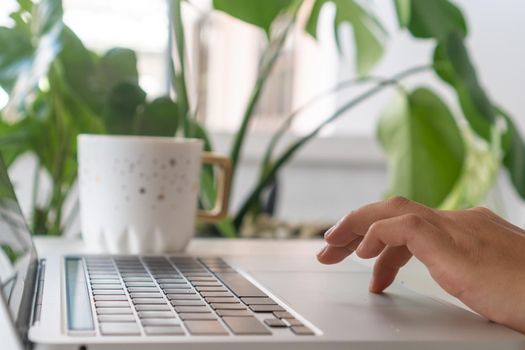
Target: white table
pixel 413 275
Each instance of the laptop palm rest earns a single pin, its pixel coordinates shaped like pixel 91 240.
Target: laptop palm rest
pixel 339 304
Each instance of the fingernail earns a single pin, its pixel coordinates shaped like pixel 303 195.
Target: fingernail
pixel 329 232
pixel 321 252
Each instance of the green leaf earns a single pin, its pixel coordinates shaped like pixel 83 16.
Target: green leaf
pixel 92 78
pixel 226 228
pixel 403 9
pixel 424 147
pixel 15 55
pixel 14 139
pixel 47 48
pixel 47 14
pixel 119 65
pixel 435 19
pixel 79 69
pixel 122 107
pixel 453 65
pixel 369 34
pixel 259 13
pixel 159 118
pixel 480 170
pixel 514 156
pixel 25 5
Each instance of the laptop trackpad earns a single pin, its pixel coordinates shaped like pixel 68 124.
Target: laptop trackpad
pixel 339 304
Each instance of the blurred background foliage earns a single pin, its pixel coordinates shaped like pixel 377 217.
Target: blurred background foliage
pixel 58 88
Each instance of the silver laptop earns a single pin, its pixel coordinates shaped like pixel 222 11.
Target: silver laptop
pixel 209 302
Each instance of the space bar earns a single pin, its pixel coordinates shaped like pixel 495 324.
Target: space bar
pixel 239 285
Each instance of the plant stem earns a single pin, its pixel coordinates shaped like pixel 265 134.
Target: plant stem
pixel 267 62
pixel 288 121
pixel 68 221
pixel 179 77
pixel 271 172
pixel 34 194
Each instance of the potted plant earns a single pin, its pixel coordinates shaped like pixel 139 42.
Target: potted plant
pixel 58 88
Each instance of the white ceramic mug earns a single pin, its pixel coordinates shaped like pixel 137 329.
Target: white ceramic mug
pixel 139 194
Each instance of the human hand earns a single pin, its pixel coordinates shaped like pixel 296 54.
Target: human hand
pixel 472 254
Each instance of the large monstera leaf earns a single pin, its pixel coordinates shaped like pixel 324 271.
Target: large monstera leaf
pixel 424 147
pixel 259 13
pixel 369 34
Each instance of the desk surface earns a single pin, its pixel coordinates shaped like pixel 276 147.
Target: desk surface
pixel 413 275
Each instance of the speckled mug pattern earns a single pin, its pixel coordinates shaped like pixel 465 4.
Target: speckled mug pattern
pixel 138 194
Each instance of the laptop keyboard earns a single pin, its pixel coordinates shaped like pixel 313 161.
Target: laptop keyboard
pixel 181 296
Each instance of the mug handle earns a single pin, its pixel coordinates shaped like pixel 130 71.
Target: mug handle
pixel 220 207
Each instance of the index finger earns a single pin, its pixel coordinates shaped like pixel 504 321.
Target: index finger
pixel 359 221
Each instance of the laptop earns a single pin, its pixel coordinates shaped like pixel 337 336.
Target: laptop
pixel 212 302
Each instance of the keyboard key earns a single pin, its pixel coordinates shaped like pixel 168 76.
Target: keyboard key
pixel 197 316
pixel 114 311
pixel 266 308
pixel 127 275
pixel 302 330
pixel 192 309
pixel 110 298
pixel 175 286
pixel 148 301
pixel 246 326
pixel 275 323
pixel 283 314
pixel 159 275
pixel 223 313
pixel 111 304
pixel 202 279
pixel 171 280
pixel 205 328
pixel 102 276
pixel 156 314
pixel 116 318
pixel 226 306
pixel 141 284
pixel 105 281
pixel 292 322
pixel 230 300
pixel 179 291
pixel 206 284
pixel 188 303
pixel 106 286
pixel 217 294
pixel 146 295
pixel 98 270
pixel 137 279
pixel 258 301
pixel 152 308
pixel 164 330
pixel 183 297
pixel 119 329
pixel 108 292
pixel 239 285
pixel 142 289
pixel 211 289
pixel 160 322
